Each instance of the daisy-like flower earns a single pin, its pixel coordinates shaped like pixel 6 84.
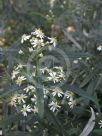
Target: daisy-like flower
pixel 14 74
pixel 26 109
pixel 25 38
pixel 19 80
pixel 53 77
pixel 56 74
pixel 57 92
pixel 21 98
pixel 14 100
pixel 59 68
pixel 37 42
pixel 44 69
pixel 38 33
pixel 19 66
pixel 53 41
pixel 100 123
pixel 54 106
pixel 99 48
pixel 35 109
pixel 29 88
pixel 61 73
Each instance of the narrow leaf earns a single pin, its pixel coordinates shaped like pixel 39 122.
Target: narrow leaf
pixel 90 125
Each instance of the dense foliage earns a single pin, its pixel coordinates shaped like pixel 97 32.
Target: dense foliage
pixel 51 86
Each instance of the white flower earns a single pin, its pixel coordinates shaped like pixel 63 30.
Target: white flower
pixel 53 41
pixel 53 77
pixel 100 123
pixel 70 103
pixel 14 74
pixel 35 109
pixel 37 42
pixel 34 98
pixel 57 91
pixel 46 91
pixel 19 80
pixel 75 61
pixel 43 70
pixel 14 100
pixel 87 58
pixel 20 66
pixel 69 94
pixel 80 58
pixel 54 106
pixel 56 74
pixel 99 48
pixel 38 33
pixel 21 98
pixel 25 38
pixel 26 109
pixel 21 52
pixel 29 88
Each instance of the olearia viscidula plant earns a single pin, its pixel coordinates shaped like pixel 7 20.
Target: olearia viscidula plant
pixel 34 74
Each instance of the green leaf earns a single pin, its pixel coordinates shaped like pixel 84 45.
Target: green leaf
pixel 90 91
pixel 18 133
pixel 97 132
pixel 86 80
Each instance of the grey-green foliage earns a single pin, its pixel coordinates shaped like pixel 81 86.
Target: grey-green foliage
pixel 86 77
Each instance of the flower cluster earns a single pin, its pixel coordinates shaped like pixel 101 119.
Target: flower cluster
pixel 17 74
pixel 20 100
pixel 58 96
pixel 37 39
pixel 55 74
pixel 26 100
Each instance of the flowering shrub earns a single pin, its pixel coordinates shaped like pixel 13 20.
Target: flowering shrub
pixel 56 81
pixel 46 77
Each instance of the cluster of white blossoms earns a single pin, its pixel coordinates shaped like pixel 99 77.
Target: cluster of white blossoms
pixel 55 74
pixel 26 100
pixel 20 100
pixel 58 95
pixel 17 76
pixel 29 94
pixel 38 39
